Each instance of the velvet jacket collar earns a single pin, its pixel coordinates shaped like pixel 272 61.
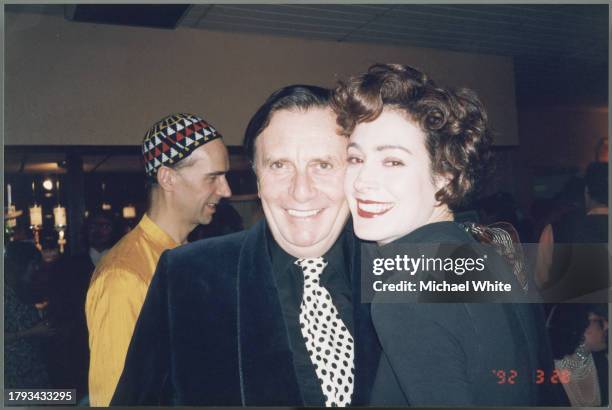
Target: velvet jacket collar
pixel 266 371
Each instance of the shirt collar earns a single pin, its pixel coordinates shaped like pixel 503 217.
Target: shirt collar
pixel 281 260
pixel 155 233
pixel 96 256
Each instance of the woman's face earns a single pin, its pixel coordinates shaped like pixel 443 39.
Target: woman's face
pixel 389 185
pixel 595 335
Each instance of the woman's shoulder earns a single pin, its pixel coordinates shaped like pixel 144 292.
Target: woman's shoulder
pixel 442 232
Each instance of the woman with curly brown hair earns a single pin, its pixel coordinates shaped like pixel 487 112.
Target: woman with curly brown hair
pixel 415 152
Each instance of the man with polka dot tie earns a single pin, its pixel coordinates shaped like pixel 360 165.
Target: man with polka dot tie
pixel 271 316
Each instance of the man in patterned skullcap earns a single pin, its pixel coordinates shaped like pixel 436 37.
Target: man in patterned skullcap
pixel 185 162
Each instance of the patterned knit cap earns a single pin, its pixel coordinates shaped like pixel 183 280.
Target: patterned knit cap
pixel 173 139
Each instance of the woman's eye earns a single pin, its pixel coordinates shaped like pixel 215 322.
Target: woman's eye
pixel 324 165
pixel 393 163
pixel 277 165
pixel 354 160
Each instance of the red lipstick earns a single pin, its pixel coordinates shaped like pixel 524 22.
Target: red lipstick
pixel 373 208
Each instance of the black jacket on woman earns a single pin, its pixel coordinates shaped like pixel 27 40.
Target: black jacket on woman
pixel 439 354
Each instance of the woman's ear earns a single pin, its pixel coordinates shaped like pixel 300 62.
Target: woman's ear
pixel 442 180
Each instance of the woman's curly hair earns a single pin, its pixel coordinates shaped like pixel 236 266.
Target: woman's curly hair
pixel 454 121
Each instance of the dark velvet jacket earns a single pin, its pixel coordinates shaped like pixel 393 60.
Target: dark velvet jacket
pixel 211 330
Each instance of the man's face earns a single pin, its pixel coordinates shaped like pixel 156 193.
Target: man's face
pixel 100 233
pixel 201 184
pixel 300 162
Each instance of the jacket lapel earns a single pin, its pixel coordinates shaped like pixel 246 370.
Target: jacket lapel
pixel 367 346
pixel 267 375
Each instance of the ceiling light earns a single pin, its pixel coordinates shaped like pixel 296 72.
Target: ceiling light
pixel 47 184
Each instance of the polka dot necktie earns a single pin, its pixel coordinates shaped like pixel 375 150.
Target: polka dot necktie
pixel 328 341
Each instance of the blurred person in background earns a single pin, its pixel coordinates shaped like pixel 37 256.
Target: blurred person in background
pixel 578 334
pixel 69 361
pixel 502 207
pixel 601 150
pixel 24 332
pixel 572 252
pixel 227 220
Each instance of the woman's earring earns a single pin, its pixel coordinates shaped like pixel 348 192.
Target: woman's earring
pixel 581 350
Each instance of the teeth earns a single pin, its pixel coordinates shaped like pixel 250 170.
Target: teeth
pixel 212 205
pixel 374 208
pixel 302 214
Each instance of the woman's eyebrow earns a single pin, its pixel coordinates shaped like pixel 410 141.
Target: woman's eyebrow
pixel 384 147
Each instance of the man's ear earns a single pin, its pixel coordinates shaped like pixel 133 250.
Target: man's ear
pixel 166 178
pixel 256 178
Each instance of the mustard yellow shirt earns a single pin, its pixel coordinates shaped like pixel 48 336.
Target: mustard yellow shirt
pixel 116 294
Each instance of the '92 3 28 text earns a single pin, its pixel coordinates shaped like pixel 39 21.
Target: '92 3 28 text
pixel 553 377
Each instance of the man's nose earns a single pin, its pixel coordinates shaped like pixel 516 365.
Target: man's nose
pixel 223 188
pixel 303 188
